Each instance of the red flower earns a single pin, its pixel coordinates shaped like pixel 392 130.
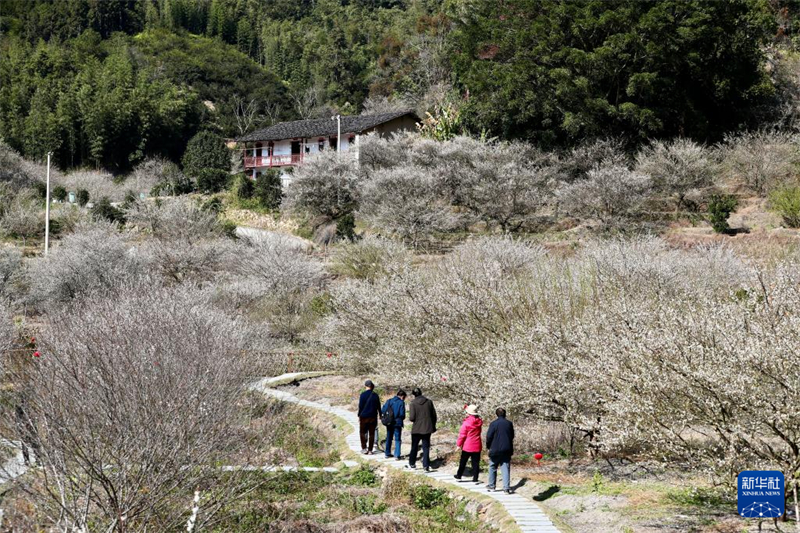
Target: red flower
pixel 36 354
pixel 33 340
pixel 538 456
pixel 330 354
pixel 444 378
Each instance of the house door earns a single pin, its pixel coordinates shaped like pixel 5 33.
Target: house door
pixel 296 154
pixel 258 150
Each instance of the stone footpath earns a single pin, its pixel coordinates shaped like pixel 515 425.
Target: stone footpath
pixel 527 514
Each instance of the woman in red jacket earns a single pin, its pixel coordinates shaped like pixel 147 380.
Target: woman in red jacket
pixel 469 440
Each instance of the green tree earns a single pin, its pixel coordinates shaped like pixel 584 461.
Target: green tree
pixel 559 71
pixel 206 150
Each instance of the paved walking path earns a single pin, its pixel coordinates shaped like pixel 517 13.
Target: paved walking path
pixel 15 466
pixel 527 514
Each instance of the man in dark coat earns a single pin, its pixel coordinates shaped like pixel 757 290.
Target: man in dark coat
pixel 422 414
pixel 500 443
pixel 369 405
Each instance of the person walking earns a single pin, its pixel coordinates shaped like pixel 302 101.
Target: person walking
pixel 392 416
pixel 369 405
pixel 422 414
pixel 469 440
pixel 500 442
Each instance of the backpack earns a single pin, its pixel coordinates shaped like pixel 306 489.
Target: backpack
pixel 387 418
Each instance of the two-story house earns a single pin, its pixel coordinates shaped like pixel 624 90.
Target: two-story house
pixel 288 144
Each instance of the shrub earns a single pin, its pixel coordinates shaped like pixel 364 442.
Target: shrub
pixel 786 202
pixel 66 217
pixel 211 180
pixel 98 184
pixel 92 260
pixel 244 187
pixel 346 227
pixel 761 160
pixel 59 193
pixel 22 217
pixel 426 497
pixel 370 258
pixel 158 176
pixel 206 151
pixel 103 210
pixel 720 208
pixel 83 197
pixel 269 190
pixel 363 477
pixel 175 219
pixel 10 269
pixel 19 172
pixel 41 190
pixel 172 182
pixel 677 167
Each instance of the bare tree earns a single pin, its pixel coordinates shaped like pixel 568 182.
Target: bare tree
pixel 273 111
pixel 246 112
pixel 306 102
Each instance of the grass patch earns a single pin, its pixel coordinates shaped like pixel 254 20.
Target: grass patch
pixel 305 443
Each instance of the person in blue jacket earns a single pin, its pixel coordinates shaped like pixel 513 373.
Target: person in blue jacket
pixel 369 405
pixel 500 442
pixel 392 416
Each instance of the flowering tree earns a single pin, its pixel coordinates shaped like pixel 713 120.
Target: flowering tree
pixel 407 203
pixel 761 160
pixel 132 404
pixel 632 344
pixel 677 167
pixel 608 193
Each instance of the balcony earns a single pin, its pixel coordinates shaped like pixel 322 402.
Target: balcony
pixel 274 161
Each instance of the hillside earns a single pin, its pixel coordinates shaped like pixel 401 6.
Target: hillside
pixel 106 84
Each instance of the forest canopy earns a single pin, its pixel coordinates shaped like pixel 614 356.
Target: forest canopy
pixel 106 84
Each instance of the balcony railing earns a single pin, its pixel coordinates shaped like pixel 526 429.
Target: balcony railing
pixel 273 160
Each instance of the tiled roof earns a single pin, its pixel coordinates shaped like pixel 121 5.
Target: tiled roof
pixel 322 127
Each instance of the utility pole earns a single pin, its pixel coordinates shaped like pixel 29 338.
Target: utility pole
pixel 47 209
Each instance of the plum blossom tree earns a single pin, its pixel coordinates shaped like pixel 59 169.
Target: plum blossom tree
pixel 407 203
pixel 133 404
pixel 608 193
pixel 677 167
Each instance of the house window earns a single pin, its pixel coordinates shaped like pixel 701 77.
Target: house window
pixel 322 145
pixel 270 148
pixel 333 143
pixel 258 150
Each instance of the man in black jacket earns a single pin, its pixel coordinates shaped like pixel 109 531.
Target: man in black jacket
pixel 422 414
pixel 500 442
pixel 369 405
